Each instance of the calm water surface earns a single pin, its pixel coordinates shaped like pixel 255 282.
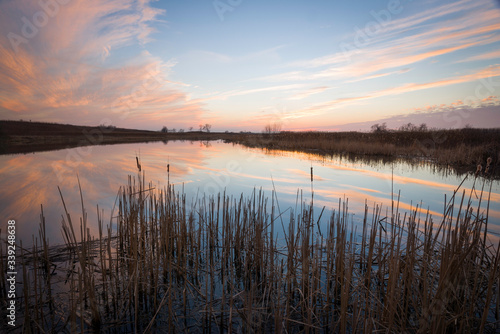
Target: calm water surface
pixel 31 180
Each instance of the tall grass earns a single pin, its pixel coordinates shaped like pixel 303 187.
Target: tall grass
pixel 459 148
pixel 240 264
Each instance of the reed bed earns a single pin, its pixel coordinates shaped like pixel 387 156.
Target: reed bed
pixel 461 149
pixel 239 264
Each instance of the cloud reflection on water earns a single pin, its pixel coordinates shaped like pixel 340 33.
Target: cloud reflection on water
pixel 31 180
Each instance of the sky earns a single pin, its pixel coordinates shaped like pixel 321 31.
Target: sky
pixel 240 65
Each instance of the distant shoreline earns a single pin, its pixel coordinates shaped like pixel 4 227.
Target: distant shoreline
pixel 462 149
pixel 27 137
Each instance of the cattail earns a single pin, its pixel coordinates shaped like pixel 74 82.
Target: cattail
pixel 478 170
pixel 168 174
pixel 138 164
pixel 488 164
pixel 391 279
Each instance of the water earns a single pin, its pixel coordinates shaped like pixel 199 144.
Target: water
pixel 197 168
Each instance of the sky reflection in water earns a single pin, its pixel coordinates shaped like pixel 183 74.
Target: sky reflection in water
pixel 31 180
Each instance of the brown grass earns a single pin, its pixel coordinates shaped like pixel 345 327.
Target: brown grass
pixel 461 149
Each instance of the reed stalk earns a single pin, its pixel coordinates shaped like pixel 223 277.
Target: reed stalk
pixel 223 265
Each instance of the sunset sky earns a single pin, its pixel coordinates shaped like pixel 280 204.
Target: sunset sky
pixel 241 64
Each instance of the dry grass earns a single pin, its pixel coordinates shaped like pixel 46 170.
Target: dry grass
pixel 462 149
pixel 231 264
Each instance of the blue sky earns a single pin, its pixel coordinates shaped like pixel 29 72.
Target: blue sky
pixel 239 64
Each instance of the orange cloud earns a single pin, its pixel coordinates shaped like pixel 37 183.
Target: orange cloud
pixel 320 108
pixel 65 69
pixel 489 55
pixel 406 41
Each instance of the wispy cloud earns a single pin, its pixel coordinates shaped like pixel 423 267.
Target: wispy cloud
pixel 320 108
pixel 489 55
pixel 410 87
pixel 403 42
pixel 309 92
pixel 65 70
pixel 217 57
pixel 380 75
pixel 240 92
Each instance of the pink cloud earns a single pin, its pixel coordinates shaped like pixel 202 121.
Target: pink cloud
pixel 489 55
pixel 406 41
pixel 65 71
pixel 323 107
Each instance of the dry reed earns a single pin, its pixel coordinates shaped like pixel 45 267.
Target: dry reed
pixel 231 264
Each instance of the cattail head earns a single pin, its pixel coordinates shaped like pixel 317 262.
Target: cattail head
pixel 478 169
pixel 138 163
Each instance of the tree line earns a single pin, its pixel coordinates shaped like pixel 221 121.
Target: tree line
pixel 405 127
pixel 203 127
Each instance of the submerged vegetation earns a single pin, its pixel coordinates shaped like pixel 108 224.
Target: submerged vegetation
pixel 242 264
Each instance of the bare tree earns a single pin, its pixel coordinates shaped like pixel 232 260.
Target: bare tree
pixel 164 129
pixel 272 128
pixel 207 127
pixel 379 127
pixel 408 127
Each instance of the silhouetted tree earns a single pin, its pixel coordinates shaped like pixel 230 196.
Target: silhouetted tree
pixel 272 128
pixel 207 127
pixel 379 127
pixel 408 127
pixel 164 129
pixel 106 127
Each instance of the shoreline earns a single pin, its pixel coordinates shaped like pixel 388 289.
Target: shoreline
pixel 460 149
